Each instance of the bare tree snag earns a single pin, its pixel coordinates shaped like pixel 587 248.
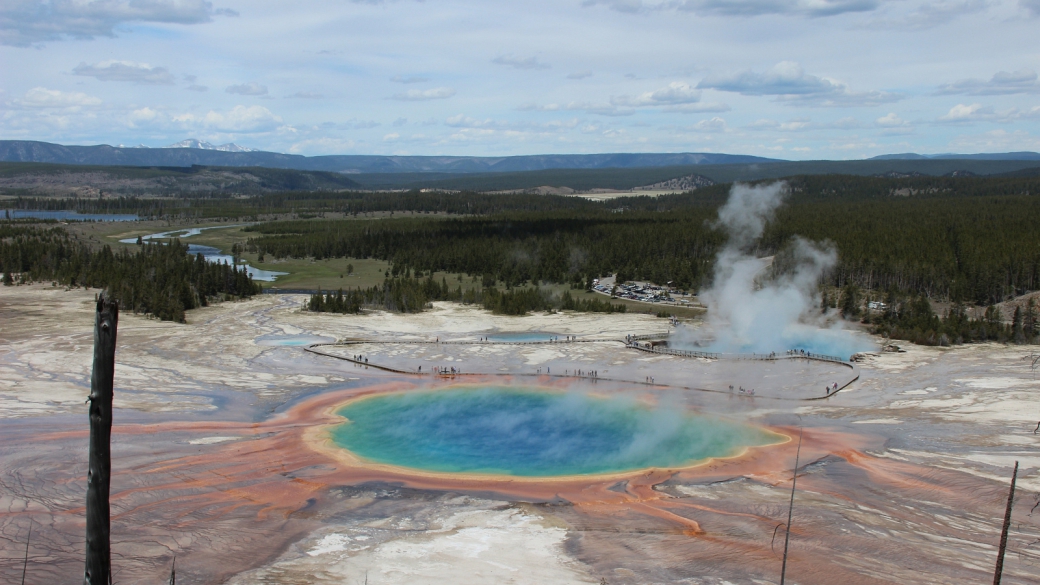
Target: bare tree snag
pixel 98 569
pixel 1004 530
pixel 25 564
pixel 790 509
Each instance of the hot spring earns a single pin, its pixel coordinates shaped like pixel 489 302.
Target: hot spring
pixel 836 342
pixel 533 433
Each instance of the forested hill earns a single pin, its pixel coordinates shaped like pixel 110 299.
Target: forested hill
pixel 44 179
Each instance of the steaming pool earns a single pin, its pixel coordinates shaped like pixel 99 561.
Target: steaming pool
pixel 841 343
pixel 533 432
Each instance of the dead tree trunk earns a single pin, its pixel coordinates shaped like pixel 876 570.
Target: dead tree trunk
pixel 1004 530
pixel 790 509
pixel 99 559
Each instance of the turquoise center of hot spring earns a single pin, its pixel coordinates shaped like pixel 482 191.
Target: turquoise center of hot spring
pixel 533 433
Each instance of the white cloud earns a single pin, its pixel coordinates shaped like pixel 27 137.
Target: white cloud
pixel 584 74
pixel 244 119
pixel 997 141
pixel 139 73
pixel 462 121
pixel 744 8
pixel 25 22
pixel 890 120
pixel 697 108
pixel 1002 83
pixel 43 98
pixel 142 116
pixel 391 137
pixel 802 125
pixel 968 113
pixel 788 81
pixel 929 14
pixel 598 109
pixel 675 97
pixel 961 114
pixel 247 89
pixel 417 95
pixel 520 63
pixel 676 93
pixel 712 126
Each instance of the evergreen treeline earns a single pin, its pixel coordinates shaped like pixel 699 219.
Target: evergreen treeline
pixel 973 249
pixel 307 204
pixel 412 295
pixel 914 320
pixel 969 248
pixel 514 248
pixel 398 295
pixel 159 279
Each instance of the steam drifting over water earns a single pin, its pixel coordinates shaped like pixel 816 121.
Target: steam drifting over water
pixel 752 311
pixel 534 433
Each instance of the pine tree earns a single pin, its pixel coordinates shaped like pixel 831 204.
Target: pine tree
pixel 1017 333
pixel 1029 321
pixel 849 301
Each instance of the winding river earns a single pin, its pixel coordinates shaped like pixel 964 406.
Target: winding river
pixel 210 253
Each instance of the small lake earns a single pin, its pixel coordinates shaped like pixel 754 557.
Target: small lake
pixel 67 215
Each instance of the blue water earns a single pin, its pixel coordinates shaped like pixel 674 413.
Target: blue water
pixel 215 256
pixel 178 233
pixel 841 343
pixel 521 337
pixel 530 432
pixel 210 253
pixel 65 215
pixel 291 340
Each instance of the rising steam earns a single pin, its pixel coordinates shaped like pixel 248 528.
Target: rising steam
pixel 752 309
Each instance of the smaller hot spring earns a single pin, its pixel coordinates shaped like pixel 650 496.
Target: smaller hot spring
pixel 291 340
pixel 836 342
pixel 521 336
pixel 533 433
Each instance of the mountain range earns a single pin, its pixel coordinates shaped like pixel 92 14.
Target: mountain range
pixel 193 152
pixel 950 156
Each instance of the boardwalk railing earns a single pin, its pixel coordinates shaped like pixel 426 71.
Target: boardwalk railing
pixel 633 342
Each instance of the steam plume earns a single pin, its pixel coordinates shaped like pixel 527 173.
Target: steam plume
pixel 753 309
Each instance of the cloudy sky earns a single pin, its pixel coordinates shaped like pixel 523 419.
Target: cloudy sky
pixel 794 79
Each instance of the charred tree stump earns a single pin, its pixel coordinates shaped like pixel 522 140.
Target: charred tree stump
pixel 98 569
pixel 1004 531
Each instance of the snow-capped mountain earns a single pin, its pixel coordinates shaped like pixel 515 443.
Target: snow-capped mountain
pixel 193 143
